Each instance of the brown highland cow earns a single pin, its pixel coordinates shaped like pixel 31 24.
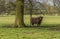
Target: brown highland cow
pixel 37 20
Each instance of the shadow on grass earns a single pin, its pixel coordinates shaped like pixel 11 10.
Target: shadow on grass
pixel 34 27
pixel 53 28
pixel 8 26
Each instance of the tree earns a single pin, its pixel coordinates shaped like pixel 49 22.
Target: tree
pixel 2 6
pixel 19 21
pixel 58 7
pixel 31 8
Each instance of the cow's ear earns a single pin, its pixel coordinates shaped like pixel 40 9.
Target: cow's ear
pixel 40 18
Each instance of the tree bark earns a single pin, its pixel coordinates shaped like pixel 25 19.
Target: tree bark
pixel 19 21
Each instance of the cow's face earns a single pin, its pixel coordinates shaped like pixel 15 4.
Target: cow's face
pixel 40 18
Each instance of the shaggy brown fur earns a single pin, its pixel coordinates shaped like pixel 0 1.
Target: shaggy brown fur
pixel 37 20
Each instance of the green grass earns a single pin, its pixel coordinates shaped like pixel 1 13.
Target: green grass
pixel 30 33
pixel 47 20
pixel 7 20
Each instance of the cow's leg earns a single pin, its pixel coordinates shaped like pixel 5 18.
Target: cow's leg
pixel 38 24
pixel 32 24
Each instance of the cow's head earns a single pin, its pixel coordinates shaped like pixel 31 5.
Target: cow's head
pixel 40 18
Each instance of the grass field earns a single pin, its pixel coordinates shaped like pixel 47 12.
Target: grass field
pixel 7 20
pixel 47 20
pixel 52 31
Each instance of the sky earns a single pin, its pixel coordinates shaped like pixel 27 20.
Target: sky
pixel 47 1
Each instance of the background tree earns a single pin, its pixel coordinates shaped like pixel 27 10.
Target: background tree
pixel 2 6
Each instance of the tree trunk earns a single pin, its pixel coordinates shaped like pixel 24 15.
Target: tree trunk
pixel 31 8
pixel 19 21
